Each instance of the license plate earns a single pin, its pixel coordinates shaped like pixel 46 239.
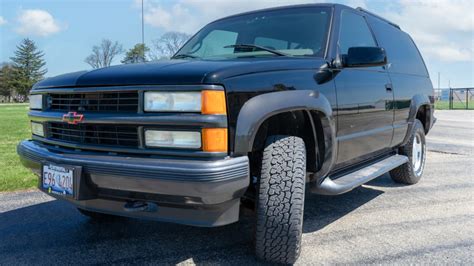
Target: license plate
pixel 58 179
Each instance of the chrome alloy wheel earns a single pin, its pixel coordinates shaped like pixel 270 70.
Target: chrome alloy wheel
pixel 418 153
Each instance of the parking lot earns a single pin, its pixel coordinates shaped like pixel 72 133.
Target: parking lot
pixel 381 222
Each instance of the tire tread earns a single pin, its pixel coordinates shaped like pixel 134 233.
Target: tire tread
pixel 281 200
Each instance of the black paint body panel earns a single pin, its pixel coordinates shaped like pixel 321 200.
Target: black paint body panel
pixel 361 113
pixel 365 116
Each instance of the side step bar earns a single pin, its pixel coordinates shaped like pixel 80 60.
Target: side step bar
pixel 352 180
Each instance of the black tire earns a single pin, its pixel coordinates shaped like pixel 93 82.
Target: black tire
pixel 280 200
pixel 410 173
pixel 97 216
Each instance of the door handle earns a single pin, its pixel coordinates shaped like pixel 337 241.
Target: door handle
pixel 388 87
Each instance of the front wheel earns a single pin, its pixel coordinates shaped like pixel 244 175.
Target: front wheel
pixel 280 200
pixel 415 150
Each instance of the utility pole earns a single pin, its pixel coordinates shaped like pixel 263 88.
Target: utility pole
pixel 439 78
pixel 143 26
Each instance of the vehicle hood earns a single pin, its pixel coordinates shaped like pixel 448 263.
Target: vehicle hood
pixel 176 72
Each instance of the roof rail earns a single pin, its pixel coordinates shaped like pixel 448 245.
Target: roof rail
pixel 379 17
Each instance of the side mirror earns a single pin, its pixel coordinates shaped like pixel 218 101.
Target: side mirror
pixel 364 57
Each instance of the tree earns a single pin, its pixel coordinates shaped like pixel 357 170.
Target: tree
pixel 103 54
pixel 28 66
pixel 137 54
pixel 168 44
pixel 7 81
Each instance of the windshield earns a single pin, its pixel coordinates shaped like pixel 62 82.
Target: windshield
pixel 292 32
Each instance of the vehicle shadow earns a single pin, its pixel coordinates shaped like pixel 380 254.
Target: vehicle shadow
pixel 321 210
pixel 55 233
pixel 384 181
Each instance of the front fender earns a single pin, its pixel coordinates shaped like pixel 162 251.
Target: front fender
pixel 259 108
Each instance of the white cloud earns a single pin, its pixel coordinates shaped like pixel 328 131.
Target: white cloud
pixel 442 29
pixel 176 18
pixel 451 53
pixel 37 22
pixel 190 15
pixel 2 21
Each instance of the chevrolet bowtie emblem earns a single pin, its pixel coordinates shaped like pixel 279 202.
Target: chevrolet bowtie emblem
pixel 73 118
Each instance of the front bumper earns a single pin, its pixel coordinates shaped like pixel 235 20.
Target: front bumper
pixel 193 192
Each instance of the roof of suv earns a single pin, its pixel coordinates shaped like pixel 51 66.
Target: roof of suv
pixel 278 8
pixel 310 5
pixel 377 16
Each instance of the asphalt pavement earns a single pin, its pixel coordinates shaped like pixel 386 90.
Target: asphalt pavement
pixel 431 222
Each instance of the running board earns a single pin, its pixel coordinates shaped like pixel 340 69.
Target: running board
pixel 352 180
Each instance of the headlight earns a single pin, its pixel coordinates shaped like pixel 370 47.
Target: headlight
pixel 37 129
pixel 207 102
pixel 173 139
pixel 36 101
pixel 172 101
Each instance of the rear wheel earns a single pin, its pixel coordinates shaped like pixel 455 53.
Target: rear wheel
pixel 280 200
pixel 415 150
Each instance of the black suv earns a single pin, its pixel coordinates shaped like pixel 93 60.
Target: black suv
pixel 254 110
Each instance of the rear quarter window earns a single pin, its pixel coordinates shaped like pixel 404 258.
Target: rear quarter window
pixel 401 51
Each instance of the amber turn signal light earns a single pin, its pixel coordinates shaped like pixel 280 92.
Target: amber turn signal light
pixel 214 139
pixel 213 103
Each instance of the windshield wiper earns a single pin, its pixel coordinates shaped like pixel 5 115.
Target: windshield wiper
pixel 242 45
pixel 178 56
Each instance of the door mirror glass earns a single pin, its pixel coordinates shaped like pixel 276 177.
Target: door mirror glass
pixel 364 57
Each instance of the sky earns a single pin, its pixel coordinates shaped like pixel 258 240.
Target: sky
pixel 66 30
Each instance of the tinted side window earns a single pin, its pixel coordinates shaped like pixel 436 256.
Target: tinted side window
pixel 354 32
pixel 401 51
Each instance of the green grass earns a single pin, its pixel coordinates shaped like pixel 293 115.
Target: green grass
pixel 444 105
pixel 14 127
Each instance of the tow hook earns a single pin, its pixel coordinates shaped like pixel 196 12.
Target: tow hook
pixel 140 206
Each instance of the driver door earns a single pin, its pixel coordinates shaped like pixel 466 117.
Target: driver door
pixel 364 97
